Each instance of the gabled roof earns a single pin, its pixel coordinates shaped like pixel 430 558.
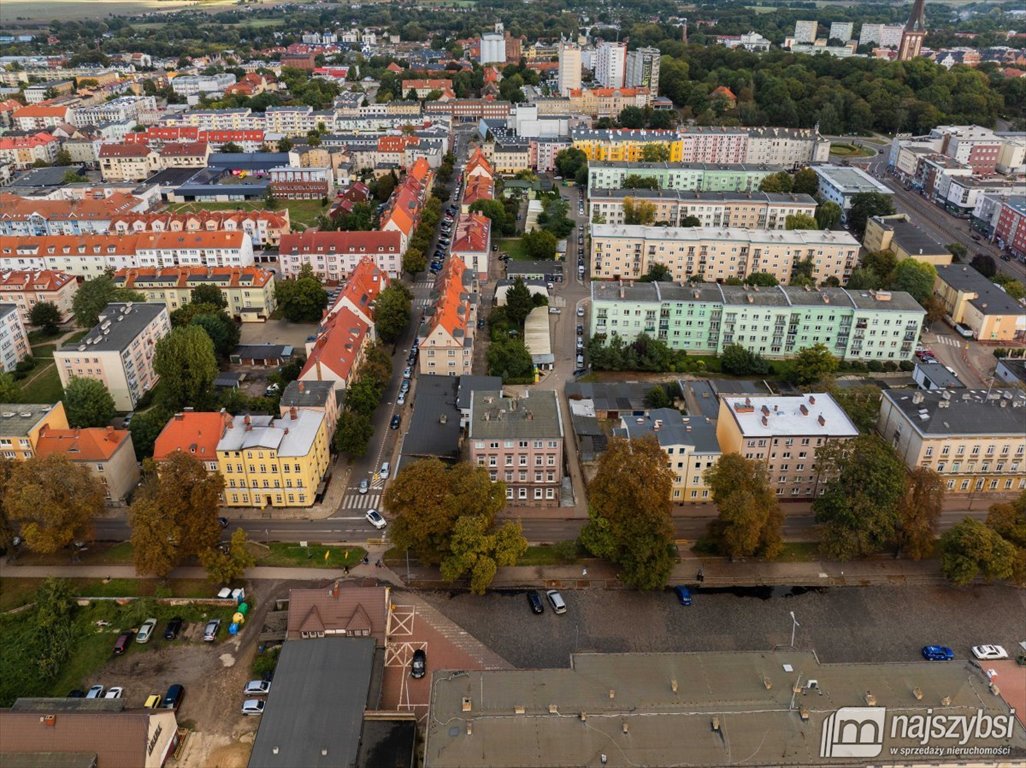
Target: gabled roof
pixel 14 207
pixel 452 311
pixel 42 110
pixel 125 150
pixel 184 149
pixel 94 444
pixel 361 290
pixel 478 161
pixel 33 280
pixel 340 606
pixel 337 348
pixel 196 433
pixel 472 233
pixel 340 242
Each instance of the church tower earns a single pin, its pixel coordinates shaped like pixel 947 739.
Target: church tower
pixel 914 33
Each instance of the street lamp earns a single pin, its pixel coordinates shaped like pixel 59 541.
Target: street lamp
pixel 794 626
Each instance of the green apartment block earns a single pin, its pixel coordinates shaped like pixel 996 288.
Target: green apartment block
pixel 778 322
pixel 692 177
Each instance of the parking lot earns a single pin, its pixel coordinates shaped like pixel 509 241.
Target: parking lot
pixel 870 624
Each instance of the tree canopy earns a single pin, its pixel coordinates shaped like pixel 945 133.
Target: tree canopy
pixel 302 299
pixel 750 520
pixel 93 295
pixel 88 403
pixel 392 312
pixel 187 366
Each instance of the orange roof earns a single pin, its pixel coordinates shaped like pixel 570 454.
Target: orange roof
pixel 193 432
pixel 190 277
pixel 427 84
pixel 200 219
pixel 393 67
pixel 452 310
pixel 336 348
pixel 42 110
pixel 24 142
pixel 184 149
pixel 14 207
pixel 93 444
pixel 479 187
pixel 420 170
pixel 10 105
pixel 478 160
pixel 124 150
pixel 340 242
pixel 31 279
pixel 472 233
pixel 402 219
pixel 174 240
pixel 362 289
pixel 724 91
pixel 395 143
pixel 67 245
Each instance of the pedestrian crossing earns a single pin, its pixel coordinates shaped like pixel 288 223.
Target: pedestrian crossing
pixel 426 302
pixel 360 501
pixel 949 341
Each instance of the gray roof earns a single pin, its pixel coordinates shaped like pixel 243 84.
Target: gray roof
pixel 792 237
pixel 317 702
pixel 660 709
pixel 940 376
pixel 911 238
pixel 434 428
pixel 535 415
pixel 611 395
pixel 990 299
pixel 524 267
pixel 672 428
pixel 470 384
pixel 119 326
pixel 1014 366
pixel 850 180
pixel 263 351
pixel 288 436
pixel 667 166
pixel 310 394
pixel 43 177
pixel 6 309
pixel 705 397
pixel 968 412
pixel 16 419
pixel 255 161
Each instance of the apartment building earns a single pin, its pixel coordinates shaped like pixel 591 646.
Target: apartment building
pixel 628 145
pixel 974 301
pixel 339 349
pixel 627 251
pixel 360 292
pixel 447 333
pixel 184 154
pixel 195 85
pixel 784 434
pixel 605 102
pixel 14 343
pixel 805 31
pixel 569 67
pixel 610 64
pixel 753 210
pixel 689 177
pixel 1010 227
pixel 472 242
pixel 249 291
pixel 118 351
pixel 26 288
pixel 840 184
pixel 423 87
pixel 106 452
pixel 269 462
pixel 689 443
pixel 974 440
pixel 24 151
pixel 39 117
pixel 264 228
pixel 26 217
pixel 703 318
pixel 196 433
pixel 21 424
pixel 469 110
pixel 333 255
pixel 520 441
pixel 319 396
pixel 643 70
pixel 128 162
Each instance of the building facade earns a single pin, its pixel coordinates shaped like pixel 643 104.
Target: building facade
pixel 688 177
pixel 14 343
pixel 26 288
pixel 643 70
pixel 22 423
pixel 610 64
pixel 248 291
pixel 447 333
pixel 974 301
pixel 755 210
pixel 106 452
pixel 333 255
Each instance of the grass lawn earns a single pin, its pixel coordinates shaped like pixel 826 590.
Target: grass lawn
pixel 850 150
pixel 44 351
pixel 96 554
pixel 565 553
pixel 303 213
pixel 514 246
pixel 799 552
pixel 76 336
pixel 42 385
pixel 39 336
pixel 313 556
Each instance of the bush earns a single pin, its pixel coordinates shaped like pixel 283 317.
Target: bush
pixel 566 552
pixel 265 662
pixel 907 365
pixel 875 366
pixel 25 365
pixel 890 366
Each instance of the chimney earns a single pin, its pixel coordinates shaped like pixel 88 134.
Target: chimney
pixel 302 387
pixel 293 413
pixel 822 421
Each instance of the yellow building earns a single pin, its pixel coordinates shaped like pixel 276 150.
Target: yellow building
pixel 273 462
pixel 630 146
pixel 904 239
pixel 21 424
pixel 249 291
pixel 975 302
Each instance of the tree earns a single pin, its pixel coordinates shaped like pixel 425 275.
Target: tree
pixel 474 549
pixel 914 277
pixel 146 427
pixel 301 299
pixel 569 161
pixel 638 212
pixel 54 501
pixel 971 549
pixel 691 221
pixel 657 273
pixel 174 514
pixel 629 512
pixel 958 250
pixel 762 279
pixel 777 182
pixel 655 153
pixel 353 433
pixel 496 212
pixel 984 264
pixel 7 527
pixel 636 181
pixel 10 392
pixel 93 295
pixel 221 329
pixel 539 244
pixel 828 215
pixel 919 513
pixel 865 484
pixel 812 364
pixel 741 361
pixel 802 272
pixel 88 403
pixel 285 145
pixel 1008 520
pixel 750 520
pixel 519 303
pixel 806 182
pixel 226 567
pixel 861 404
pixel 54 627
pixel 632 117
pixel 45 315
pixel 865 205
pixel 510 359
pixel 392 312
pixel 414 261
pixel 187 366
pixel 801 221
pixel 208 294
pixel 232 148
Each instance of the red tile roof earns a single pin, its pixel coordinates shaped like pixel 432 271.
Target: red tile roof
pixel 479 187
pixel 15 208
pixel 36 280
pixel 337 348
pixel 124 150
pixel 184 149
pixel 452 311
pixel 190 277
pixel 472 234
pixel 93 444
pixel 26 142
pixel 478 160
pixel 176 240
pixel 340 242
pixel 196 433
pixel 42 110
pixel 361 289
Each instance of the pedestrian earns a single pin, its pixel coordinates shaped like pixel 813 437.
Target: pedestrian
pixel 345 570
pixel 584 571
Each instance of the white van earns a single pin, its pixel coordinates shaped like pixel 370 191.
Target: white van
pixel 386 468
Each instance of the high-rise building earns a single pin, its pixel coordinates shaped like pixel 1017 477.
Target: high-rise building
pixel 610 64
pixel 493 48
pixel 569 67
pixel 643 70
pixel 805 31
pixel 884 35
pixel 914 33
pixel 841 30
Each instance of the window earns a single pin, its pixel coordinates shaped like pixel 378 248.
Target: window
pixel 521 493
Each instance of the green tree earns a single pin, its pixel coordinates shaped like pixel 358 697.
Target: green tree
pixel 828 215
pixel 495 211
pixel 865 485
pixel 88 403
pixel 539 244
pixel 806 182
pixel 519 303
pixel 7 527
pixel 762 279
pixel 655 153
pixel 146 427
pixel 222 330
pixel 657 273
pixel 53 501
pixel 865 205
pixel 638 212
pixel 93 295
pixel 777 182
pixel 691 221
pixel 632 117
pixel 971 550
pixel 54 627
pixel 569 161
pixel 353 434
pixel 984 264
pixel 187 366
pixel 208 294
pixel 813 364
pixel 414 261
pixel 919 513
pixel 301 299
pixel 741 361
pixel 10 392
pixel 801 221
pixel 958 250
pixel 914 277
pixel 392 312
pixel 636 181
pixel 861 403
pixel 510 359
pixel 46 316
pixel 750 520
pixel 477 550
pixel 226 567
pixel 629 512
pixel 1008 520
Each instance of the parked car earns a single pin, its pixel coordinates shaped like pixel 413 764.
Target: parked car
pixel 418 667
pixel 385 471
pixel 580 330
pixel 989 652
pixel 580 311
pixel 553 310
pixel 95 692
pixel 374 518
pixel 211 630
pixel 364 486
pixel 257 688
pixel 556 600
pixel 223 522
pixel 401 400
pixel 121 644
pixel 937 653
pixel 580 343
pixel 173 628
pixel 683 594
pixel 580 361
pixel 964 331
pixel 173 697
pixel 534 600
pixel 252 707
pixel 407 372
pixel 114 692
pixel 395 422
pixel 78 693
pixel 146 631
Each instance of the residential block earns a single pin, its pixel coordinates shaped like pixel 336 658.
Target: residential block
pixel 248 291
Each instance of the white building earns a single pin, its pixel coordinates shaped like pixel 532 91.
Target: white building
pixel 194 85
pixel 840 183
pixel 883 35
pixel 14 344
pixel 643 70
pixel 841 30
pixel 611 64
pixel 569 67
pixel 493 48
pixel 805 31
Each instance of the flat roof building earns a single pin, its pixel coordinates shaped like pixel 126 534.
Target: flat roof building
pixel 982 306
pixel 840 183
pixel 897 234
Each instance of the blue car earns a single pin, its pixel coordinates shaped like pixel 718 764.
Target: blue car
pixel 937 653
pixel 683 594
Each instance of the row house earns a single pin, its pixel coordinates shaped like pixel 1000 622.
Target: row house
pixel 247 291
pixel 338 351
pixel 264 228
pixel 24 151
pixel 26 288
pixel 752 210
pixel 334 255
pixel 360 292
pixel 26 217
pixel 446 335
pixel 472 242
pixel 402 214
